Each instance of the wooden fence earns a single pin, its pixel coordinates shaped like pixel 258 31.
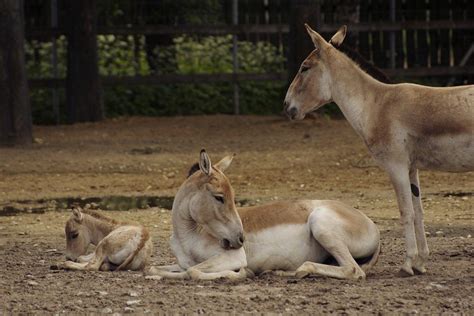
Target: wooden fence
pixel 406 38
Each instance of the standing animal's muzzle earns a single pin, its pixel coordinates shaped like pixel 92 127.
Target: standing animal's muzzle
pixel 291 112
pixel 234 243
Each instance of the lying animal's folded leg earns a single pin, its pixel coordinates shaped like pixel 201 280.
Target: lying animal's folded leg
pixel 168 268
pixel 71 265
pixel 156 274
pixel 344 272
pixel 86 258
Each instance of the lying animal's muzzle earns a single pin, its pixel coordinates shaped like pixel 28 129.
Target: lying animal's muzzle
pixel 235 243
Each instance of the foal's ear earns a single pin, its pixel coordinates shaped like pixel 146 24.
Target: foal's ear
pixel 317 39
pixel 205 163
pixel 339 37
pixel 224 163
pixel 76 212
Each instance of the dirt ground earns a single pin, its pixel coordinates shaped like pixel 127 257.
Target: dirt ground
pixel 276 159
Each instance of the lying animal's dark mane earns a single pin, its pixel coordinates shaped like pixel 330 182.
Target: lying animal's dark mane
pixel 100 216
pixel 193 169
pixel 363 63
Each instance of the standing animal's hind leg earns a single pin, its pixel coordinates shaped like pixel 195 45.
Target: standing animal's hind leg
pixel 422 244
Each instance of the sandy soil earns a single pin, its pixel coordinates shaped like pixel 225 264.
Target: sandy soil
pixel 276 159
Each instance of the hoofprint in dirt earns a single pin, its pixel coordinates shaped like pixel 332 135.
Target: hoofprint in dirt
pixel 276 159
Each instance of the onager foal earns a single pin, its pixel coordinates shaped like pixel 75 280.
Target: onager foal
pixel 288 238
pixel 119 246
pixel 405 126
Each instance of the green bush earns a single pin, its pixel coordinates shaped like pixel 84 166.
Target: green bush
pixel 126 56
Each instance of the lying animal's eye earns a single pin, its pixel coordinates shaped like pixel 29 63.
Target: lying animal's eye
pixel 219 198
pixel 304 68
pixel 74 235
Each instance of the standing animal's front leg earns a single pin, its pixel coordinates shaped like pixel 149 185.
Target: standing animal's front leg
pixel 222 265
pixel 422 244
pixel 401 183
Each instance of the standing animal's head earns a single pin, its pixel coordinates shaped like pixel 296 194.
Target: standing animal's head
pixel 77 235
pixel 311 87
pixel 211 201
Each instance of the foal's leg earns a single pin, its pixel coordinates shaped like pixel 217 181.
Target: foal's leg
pixel 422 245
pixel 401 182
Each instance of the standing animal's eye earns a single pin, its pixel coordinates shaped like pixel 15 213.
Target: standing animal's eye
pixel 74 235
pixel 219 198
pixel 304 68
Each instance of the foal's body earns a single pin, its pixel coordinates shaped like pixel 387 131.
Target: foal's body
pixel 119 246
pixel 406 127
pixel 292 237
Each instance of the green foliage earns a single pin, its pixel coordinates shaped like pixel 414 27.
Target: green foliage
pixel 126 56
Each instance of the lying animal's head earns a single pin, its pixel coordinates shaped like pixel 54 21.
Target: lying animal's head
pixel 77 235
pixel 311 87
pixel 211 201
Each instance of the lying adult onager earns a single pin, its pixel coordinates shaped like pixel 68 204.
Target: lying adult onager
pixel 119 246
pixel 405 126
pixel 292 237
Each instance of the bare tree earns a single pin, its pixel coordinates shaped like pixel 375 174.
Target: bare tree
pixel 83 88
pixel 15 110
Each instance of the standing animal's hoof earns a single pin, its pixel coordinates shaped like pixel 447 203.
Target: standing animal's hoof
pixel 301 274
pixel 406 272
pixel 419 270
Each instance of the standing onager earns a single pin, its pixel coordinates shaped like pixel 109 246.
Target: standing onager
pixel 405 126
pixel 291 238
pixel 118 246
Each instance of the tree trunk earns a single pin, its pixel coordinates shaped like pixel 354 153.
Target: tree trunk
pixel 15 110
pixel 83 88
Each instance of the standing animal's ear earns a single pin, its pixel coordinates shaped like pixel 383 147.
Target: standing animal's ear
pixel 317 39
pixel 205 163
pixel 339 37
pixel 77 215
pixel 224 163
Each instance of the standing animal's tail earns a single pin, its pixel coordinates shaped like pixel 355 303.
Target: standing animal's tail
pixel 144 238
pixel 367 266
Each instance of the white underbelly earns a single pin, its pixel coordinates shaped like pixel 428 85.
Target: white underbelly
pixel 446 153
pixel 283 247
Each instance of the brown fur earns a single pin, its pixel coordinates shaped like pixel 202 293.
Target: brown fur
pixel 144 238
pixel 257 218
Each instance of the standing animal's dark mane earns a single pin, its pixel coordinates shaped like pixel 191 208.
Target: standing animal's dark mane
pixel 363 63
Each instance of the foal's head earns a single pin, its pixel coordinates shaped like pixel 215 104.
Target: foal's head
pixel 77 235
pixel 212 202
pixel 311 87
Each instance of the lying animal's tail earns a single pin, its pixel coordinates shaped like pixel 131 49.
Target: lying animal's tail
pixel 368 265
pixel 144 238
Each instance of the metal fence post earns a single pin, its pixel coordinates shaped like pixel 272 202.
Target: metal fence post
pixel 235 63
pixel 392 36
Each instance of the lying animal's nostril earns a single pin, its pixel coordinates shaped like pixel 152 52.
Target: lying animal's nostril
pixel 225 243
pixel 241 239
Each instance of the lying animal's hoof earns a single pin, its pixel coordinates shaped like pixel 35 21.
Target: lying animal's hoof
pixel 153 277
pixel 54 267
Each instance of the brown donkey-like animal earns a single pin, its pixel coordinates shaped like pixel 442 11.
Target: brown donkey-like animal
pixel 407 127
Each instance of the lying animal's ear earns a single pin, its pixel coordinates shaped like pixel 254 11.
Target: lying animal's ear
pixel 205 163
pixel 77 215
pixel 224 163
pixel 317 39
pixel 339 37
